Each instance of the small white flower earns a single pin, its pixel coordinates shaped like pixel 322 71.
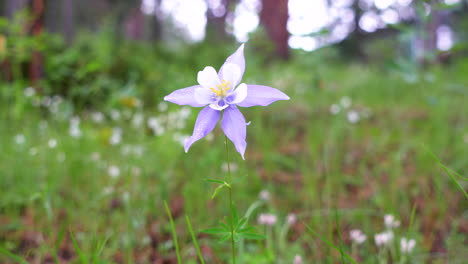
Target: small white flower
pixel 390 221
pixel 29 91
pixel 138 119
pixel 264 195
pixel 291 219
pixel 184 112
pixel 357 236
pixel 353 116
pixel 155 125
pixel 162 107
pixel 334 109
pixel 180 138
pixel 116 136
pixel 224 167
pixel 345 102
pixel 33 151
pixel 267 219
pixel 298 259
pixel 407 245
pixel 75 127
pixel 52 143
pixel 97 117
pixel 384 238
pixel 115 114
pixel 61 157
pixel 113 171
pixel 95 156
pixel 20 139
pixel 108 190
pixel 136 171
pixel 126 197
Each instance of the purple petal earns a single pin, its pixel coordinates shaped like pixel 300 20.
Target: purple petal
pixel 185 96
pixel 236 58
pixel 234 127
pixel 206 122
pixel 262 95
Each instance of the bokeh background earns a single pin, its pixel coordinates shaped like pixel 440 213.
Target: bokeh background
pixel 376 126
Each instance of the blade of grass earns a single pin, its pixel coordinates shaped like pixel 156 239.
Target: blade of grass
pixel 174 233
pixel 449 172
pixel 194 239
pixel 13 256
pixel 77 249
pixel 329 243
pixel 339 236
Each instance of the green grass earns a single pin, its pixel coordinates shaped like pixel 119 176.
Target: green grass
pixel 309 160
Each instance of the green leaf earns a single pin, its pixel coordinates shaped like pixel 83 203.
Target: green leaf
pixel 194 239
pixel 252 236
pixel 225 237
pixel 235 216
pixel 241 223
pixel 16 258
pixel 217 191
pixel 213 231
pixel 77 249
pixel 214 181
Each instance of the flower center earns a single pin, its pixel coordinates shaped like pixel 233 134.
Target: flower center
pixel 221 89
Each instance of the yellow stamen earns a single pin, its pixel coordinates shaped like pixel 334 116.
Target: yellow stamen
pixel 221 89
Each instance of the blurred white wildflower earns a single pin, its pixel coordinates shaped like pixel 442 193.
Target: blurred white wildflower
pixel 185 112
pixel 75 130
pixel 357 236
pixel 383 238
pixel 126 197
pixel 116 136
pixel 353 116
pixel 345 102
pixel 20 139
pixel 108 190
pixel 137 120
pixel 113 171
pixel 33 151
pixel 210 137
pixel 155 125
pixel 225 168
pixel 95 156
pixel 55 103
pixel 43 125
pixel 52 143
pixel 136 171
pixel 29 92
pixel 264 195
pixel 298 259
pixel 180 138
pixel 138 150
pixel 115 114
pixel 407 245
pixel 61 157
pixel 390 221
pixel 97 117
pixel 334 109
pixel 46 101
pixel 291 219
pixel 267 219
pixel 162 107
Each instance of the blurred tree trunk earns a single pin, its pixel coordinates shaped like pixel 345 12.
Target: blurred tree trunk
pixel 12 6
pixel 216 20
pixel 274 17
pixel 35 67
pixel 68 11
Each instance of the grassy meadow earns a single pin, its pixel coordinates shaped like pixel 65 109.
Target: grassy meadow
pixel 87 160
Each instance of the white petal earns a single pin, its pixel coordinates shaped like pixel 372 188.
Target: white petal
pixel 231 73
pixel 204 96
pixel 208 78
pixel 239 94
pixel 215 106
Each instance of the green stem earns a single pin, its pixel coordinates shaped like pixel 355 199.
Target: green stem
pixel 229 180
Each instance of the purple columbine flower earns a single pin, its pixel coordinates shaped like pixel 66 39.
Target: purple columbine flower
pixel 221 92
